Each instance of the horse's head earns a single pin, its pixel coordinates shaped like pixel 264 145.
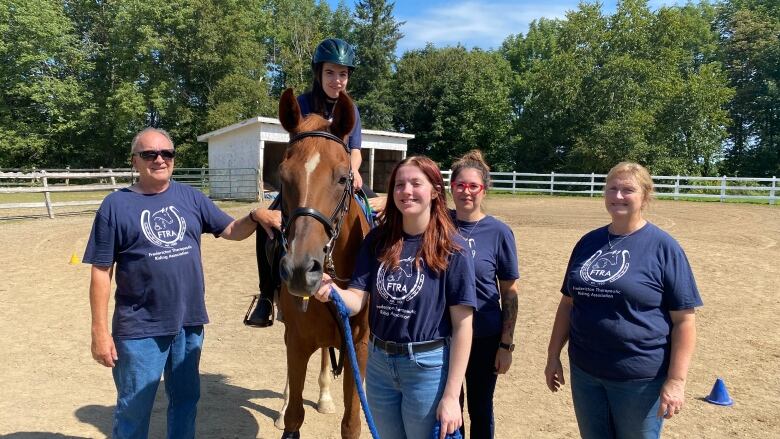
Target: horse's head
pixel 316 184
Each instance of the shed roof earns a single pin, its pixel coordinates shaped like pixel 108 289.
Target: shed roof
pixel 267 120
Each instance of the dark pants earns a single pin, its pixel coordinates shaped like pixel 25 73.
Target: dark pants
pixel 480 384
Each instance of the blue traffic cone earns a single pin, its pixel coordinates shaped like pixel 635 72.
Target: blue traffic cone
pixel 719 394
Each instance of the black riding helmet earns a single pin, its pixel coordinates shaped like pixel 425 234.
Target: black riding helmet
pixel 336 51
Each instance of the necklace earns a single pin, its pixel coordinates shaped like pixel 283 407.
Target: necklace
pixel 473 228
pixel 619 240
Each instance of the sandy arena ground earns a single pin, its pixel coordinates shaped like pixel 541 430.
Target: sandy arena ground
pixel 51 387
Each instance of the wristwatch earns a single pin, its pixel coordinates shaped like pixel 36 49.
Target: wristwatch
pixel 509 347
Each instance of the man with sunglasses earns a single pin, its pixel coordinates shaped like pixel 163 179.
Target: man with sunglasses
pixel 149 233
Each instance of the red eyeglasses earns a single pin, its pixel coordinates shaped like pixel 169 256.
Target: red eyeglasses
pixel 473 188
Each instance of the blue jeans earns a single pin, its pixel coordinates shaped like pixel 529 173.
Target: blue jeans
pixel 137 375
pixel 404 390
pixel 480 385
pixel 616 409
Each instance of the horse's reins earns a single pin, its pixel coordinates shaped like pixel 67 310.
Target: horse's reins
pixel 333 224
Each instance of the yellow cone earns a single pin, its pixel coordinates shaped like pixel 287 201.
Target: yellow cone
pixel 74 260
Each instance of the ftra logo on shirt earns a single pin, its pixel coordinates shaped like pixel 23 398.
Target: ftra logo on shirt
pixel 163 228
pixel 605 267
pixel 402 283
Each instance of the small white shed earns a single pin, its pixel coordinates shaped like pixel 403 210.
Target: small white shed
pixel 249 153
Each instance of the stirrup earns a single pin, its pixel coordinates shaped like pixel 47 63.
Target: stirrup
pixel 261 316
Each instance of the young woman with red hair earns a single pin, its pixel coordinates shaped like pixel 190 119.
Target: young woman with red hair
pixel 420 279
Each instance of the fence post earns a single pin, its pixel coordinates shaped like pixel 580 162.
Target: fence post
pixel 677 188
pixel 230 182
pixel 723 189
pixel 552 182
pixel 514 181
pixel 203 179
pixel 592 183
pixel 112 179
pixel 772 191
pixel 259 184
pixel 102 180
pixel 47 194
pixel 67 171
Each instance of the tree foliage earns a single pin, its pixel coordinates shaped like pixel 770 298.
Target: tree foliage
pixel 453 100
pixel 750 50
pixel 44 105
pixel 687 89
pixel 375 36
pixel 594 90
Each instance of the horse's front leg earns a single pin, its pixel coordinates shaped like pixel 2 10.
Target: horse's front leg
pixel 298 354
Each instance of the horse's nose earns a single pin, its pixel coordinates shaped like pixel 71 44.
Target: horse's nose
pixel 301 277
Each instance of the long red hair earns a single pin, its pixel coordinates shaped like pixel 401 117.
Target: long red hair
pixel 437 240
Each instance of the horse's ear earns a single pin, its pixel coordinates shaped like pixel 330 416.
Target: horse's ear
pixel 343 116
pixel 289 111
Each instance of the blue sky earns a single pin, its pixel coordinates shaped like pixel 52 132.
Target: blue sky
pixel 475 23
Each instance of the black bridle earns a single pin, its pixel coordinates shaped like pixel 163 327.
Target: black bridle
pixel 333 223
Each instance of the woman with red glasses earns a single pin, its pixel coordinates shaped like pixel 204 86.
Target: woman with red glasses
pixel 492 247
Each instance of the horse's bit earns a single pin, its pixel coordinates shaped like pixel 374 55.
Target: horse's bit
pixel 333 224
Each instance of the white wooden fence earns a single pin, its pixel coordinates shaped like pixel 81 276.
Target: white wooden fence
pixel 243 184
pixel 218 183
pixel 676 187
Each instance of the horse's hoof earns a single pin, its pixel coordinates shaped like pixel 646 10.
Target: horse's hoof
pixel 291 435
pixel 279 422
pixel 326 406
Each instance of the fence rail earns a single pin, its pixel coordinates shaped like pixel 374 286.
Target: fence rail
pixel 224 184
pixel 666 186
pixel 243 184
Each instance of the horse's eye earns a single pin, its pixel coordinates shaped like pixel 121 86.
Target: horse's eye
pixel 343 180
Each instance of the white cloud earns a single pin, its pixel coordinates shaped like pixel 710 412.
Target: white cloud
pixel 474 24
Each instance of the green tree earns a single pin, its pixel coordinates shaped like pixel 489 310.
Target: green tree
pixel 376 35
pixel 185 66
pixel 44 104
pixel 453 100
pixel 750 32
pixel 594 90
pixel 298 26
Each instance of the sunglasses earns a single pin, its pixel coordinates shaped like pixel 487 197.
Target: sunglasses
pixel 473 188
pixel 167 154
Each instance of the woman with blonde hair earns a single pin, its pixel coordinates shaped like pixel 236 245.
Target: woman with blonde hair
pixel 628 314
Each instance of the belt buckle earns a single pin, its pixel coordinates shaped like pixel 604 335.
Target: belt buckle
pixel 394 348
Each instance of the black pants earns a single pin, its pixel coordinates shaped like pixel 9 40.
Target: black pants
pixel 480 386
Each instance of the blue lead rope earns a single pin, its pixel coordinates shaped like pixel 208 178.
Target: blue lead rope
pixel 344 313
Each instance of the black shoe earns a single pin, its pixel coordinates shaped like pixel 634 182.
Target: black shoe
pixel 262 315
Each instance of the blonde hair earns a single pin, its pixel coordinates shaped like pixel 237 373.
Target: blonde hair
pixel 639 173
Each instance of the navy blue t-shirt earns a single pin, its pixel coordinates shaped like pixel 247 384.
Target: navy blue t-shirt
pixel 620 322
pixel 154 239
pixel 355 137
pixel 409 305
pixel 492 245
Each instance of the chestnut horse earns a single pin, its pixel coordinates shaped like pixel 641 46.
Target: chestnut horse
pixel 323 229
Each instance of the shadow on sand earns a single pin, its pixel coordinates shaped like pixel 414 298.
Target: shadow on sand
pixel 224 411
